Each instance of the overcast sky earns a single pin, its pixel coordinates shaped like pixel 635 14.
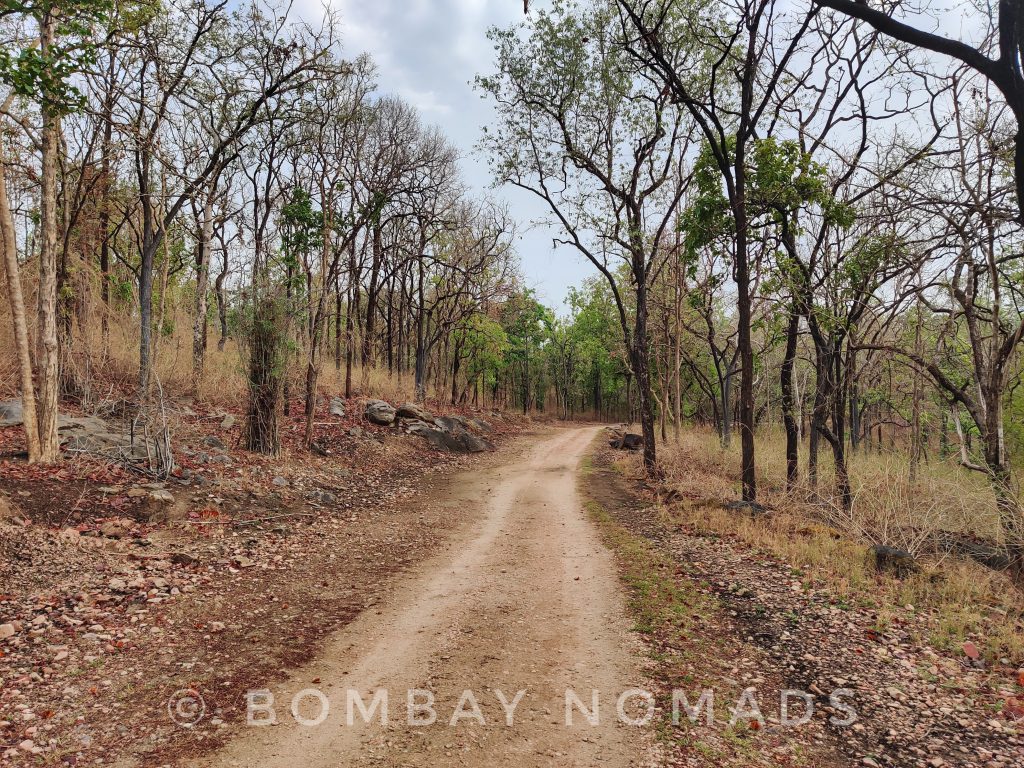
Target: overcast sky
pixel 428 52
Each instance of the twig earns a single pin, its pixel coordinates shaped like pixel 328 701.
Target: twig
pixel 252 521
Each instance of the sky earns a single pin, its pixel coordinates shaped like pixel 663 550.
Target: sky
pixel 428 52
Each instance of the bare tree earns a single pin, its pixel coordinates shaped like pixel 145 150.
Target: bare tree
pixel 583 129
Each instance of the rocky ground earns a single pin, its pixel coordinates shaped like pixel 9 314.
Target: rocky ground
pixel 116 591
pixel 764 624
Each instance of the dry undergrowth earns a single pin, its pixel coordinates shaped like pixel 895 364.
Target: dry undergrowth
pixel 965 599
pixel 223 383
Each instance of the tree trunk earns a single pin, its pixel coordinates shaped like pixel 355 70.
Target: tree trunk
pixel 199 321
pixel 642 371
pixel 16 297
pixel 677 402
pixel 49 361
pixel 369 325
pixel 421 352
pixel 788 401
pixel 267 341
pixel 746 348
pixel 222 302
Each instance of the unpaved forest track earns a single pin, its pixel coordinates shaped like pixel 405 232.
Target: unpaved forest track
pixel 526 598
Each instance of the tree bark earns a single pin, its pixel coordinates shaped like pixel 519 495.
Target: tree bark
pixel 199 321
pixel 49 359
pixel 16 299
pixel 789 402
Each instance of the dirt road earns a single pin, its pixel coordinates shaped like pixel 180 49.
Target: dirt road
pixel 525 599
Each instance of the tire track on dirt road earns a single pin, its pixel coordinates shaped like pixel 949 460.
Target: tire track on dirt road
pixel 525 599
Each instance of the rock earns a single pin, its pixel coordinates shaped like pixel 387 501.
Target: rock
pixel 628 442
pixel 752 507
pixel 481 425
pixel 451 424
pixel 110 445
pixel 413 411
pixel 455 438
pixel 227 422
pixel 7 630
pixel 337 407
pixel 11 413
pixel 184 558
pixel 379 412
pixel 473 444
pixel 115 529
pixel 322 497
pixel 893 560
pixel 7 510
pixel 212 441
pixel 89 425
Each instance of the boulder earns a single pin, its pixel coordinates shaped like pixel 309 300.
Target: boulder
pixel 628 442
pixel 11 413
pixel 473 444
pixel 89 425
pixel 893 560
pixel 108 444
pixel 413 411
pixel 337 407
pixel 160 496
pixel 7 509
pixel 481 425
pixel 985 552
pixel 449 433
pixel 751 507
pixel 212 441
pixel 379 412
pixel 117 528
pixel 451 424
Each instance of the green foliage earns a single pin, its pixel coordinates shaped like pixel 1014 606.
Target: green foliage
pixel 46 76
pixel 487 346
pixel 782 180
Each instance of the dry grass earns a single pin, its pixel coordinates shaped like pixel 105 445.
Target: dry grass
pixel 224 378
pixel 964 599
